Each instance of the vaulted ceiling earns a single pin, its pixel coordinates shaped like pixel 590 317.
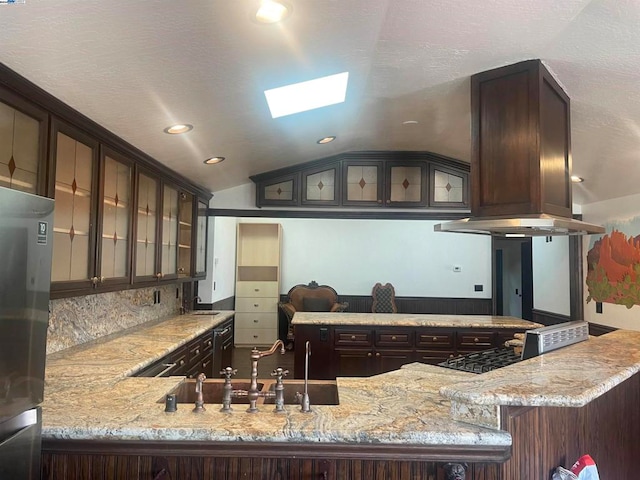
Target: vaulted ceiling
pixel 136 67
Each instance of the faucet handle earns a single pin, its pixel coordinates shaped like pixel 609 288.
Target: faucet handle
pixel 228 372
pixel 279 373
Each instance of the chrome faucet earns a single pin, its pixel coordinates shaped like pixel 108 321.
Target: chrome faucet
pixel 254 393
pixel 303 398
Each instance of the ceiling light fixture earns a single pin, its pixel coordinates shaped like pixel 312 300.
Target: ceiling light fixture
pixel 178 129
pixel 303 96
pixel 576 179
pixel 271 11
pixel 213 160
pixel 324 140
pixel 410 122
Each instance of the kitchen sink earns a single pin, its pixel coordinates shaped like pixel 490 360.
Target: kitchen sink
pixel 320 392
pixel 211 391
pixel 203 312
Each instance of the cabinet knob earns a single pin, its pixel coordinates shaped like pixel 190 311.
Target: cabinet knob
pixel 394 338
pixel 256 289
pixel 255 320
pixel 379 200
pixel 353 338
pixel 159 275
pixel 369 354
pixel 377 354
pixel 181 362
pixel 204 364
pixel 101 279
pixel 476 339
pixel 255 336
pixel 209 343
pixel 197 351
pixel 94 280
pixel 451 355
pixel 256 305
pixel 435 339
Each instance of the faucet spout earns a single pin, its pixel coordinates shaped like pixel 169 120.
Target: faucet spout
pixel 253 393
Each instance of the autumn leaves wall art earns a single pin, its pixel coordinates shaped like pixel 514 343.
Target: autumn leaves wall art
pixel 613 269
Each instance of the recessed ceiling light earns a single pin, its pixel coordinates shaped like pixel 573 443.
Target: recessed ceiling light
pixel 410 122
pixel 271 11
pixel 213 160
pixel 324 140
pixel 576 179
pixel 179 128
pixel 303 96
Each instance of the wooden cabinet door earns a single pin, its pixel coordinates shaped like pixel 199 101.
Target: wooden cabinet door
pixel 354 362
pixel 185 234
pixel 389 360
pixel 169 232
pixel 448 187
pixel 321 186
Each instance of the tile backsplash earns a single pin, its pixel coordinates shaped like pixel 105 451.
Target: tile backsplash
pixel 77 320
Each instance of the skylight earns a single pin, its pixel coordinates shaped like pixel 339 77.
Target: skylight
pixel 303 96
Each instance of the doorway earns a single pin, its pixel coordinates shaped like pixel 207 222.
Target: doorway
pixel 513 277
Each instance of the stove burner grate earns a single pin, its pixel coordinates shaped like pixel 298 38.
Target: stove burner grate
pixel 484 361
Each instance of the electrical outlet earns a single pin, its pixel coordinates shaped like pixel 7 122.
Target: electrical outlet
pixel 598 307
pixel 478 288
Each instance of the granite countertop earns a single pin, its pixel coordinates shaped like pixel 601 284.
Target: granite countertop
pixel 569 377
pixel 410 320
pixel 88 395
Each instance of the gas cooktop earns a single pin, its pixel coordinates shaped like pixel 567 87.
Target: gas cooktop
pixel 484 361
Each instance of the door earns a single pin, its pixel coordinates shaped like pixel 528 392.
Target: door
pixel 513 277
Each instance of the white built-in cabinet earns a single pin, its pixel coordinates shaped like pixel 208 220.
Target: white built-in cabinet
pixel 257 283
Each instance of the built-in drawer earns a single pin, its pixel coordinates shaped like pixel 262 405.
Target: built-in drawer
pixel 353 338
pixel 475 340
pixel 257 289
pixel 433 357
pixel 394 338
pixel 256 304
pixel 255 336
pixel 256 320
pixel 435 339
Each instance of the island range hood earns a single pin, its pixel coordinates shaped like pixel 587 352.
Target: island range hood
pixel 521 156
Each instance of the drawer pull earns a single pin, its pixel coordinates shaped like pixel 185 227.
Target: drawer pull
pixel 435 339
pixel 256 289
pixel 451 355
pixel 476 339
pixel 204 364
pixel 256 305
pixel 255 336
pixel 369 354
pixel 256 321
pixel 197 351
pixel 377 354
pixel 181 362
pixel 353 338
pixel 394 338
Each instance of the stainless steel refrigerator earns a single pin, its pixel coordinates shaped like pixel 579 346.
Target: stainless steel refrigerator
pixel 26 235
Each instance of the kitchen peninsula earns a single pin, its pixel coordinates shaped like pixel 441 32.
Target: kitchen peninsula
pixel 515 423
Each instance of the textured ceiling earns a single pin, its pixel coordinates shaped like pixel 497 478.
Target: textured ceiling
pixel 136 67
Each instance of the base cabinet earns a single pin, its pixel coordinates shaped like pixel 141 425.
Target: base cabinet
pixel 344 351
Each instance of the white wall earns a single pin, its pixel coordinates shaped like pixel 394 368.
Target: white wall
pixel 352 255
pixel 221 260
pixel 551 291
pixel 623 214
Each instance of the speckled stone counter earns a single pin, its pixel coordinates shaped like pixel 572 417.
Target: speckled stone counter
pixel 89 396
pixel 568 377
pixel 410 320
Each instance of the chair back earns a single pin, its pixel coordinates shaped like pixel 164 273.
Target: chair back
pixel 384 298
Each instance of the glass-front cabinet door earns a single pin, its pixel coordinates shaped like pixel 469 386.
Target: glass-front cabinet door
pixel 169 246
pixel 321 186
pixel 23 130
pixel 406 184
pixel 75 160
pixel 185 230
pixel 146 250
pixel 201 239
pixel 116 213
pixel 362 183
pixel 449 187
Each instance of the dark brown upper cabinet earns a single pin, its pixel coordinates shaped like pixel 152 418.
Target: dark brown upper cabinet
pixel 368 179
pixel 362 183
pixel 147 226
pixel 200 246
pixel 92 215
pixel 406 184
pixel 448 187
pixel 23 144
pixel 321 186
pixel 521 146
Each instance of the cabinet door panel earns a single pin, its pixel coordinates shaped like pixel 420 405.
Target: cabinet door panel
pixel 169 266
pixel 407 184
pixel 362 183
pixel 201 240
pixel 256 320
pixel 146 266
pixel 321 186
pixel 353 362
pixel 256 289
pixel 389 360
